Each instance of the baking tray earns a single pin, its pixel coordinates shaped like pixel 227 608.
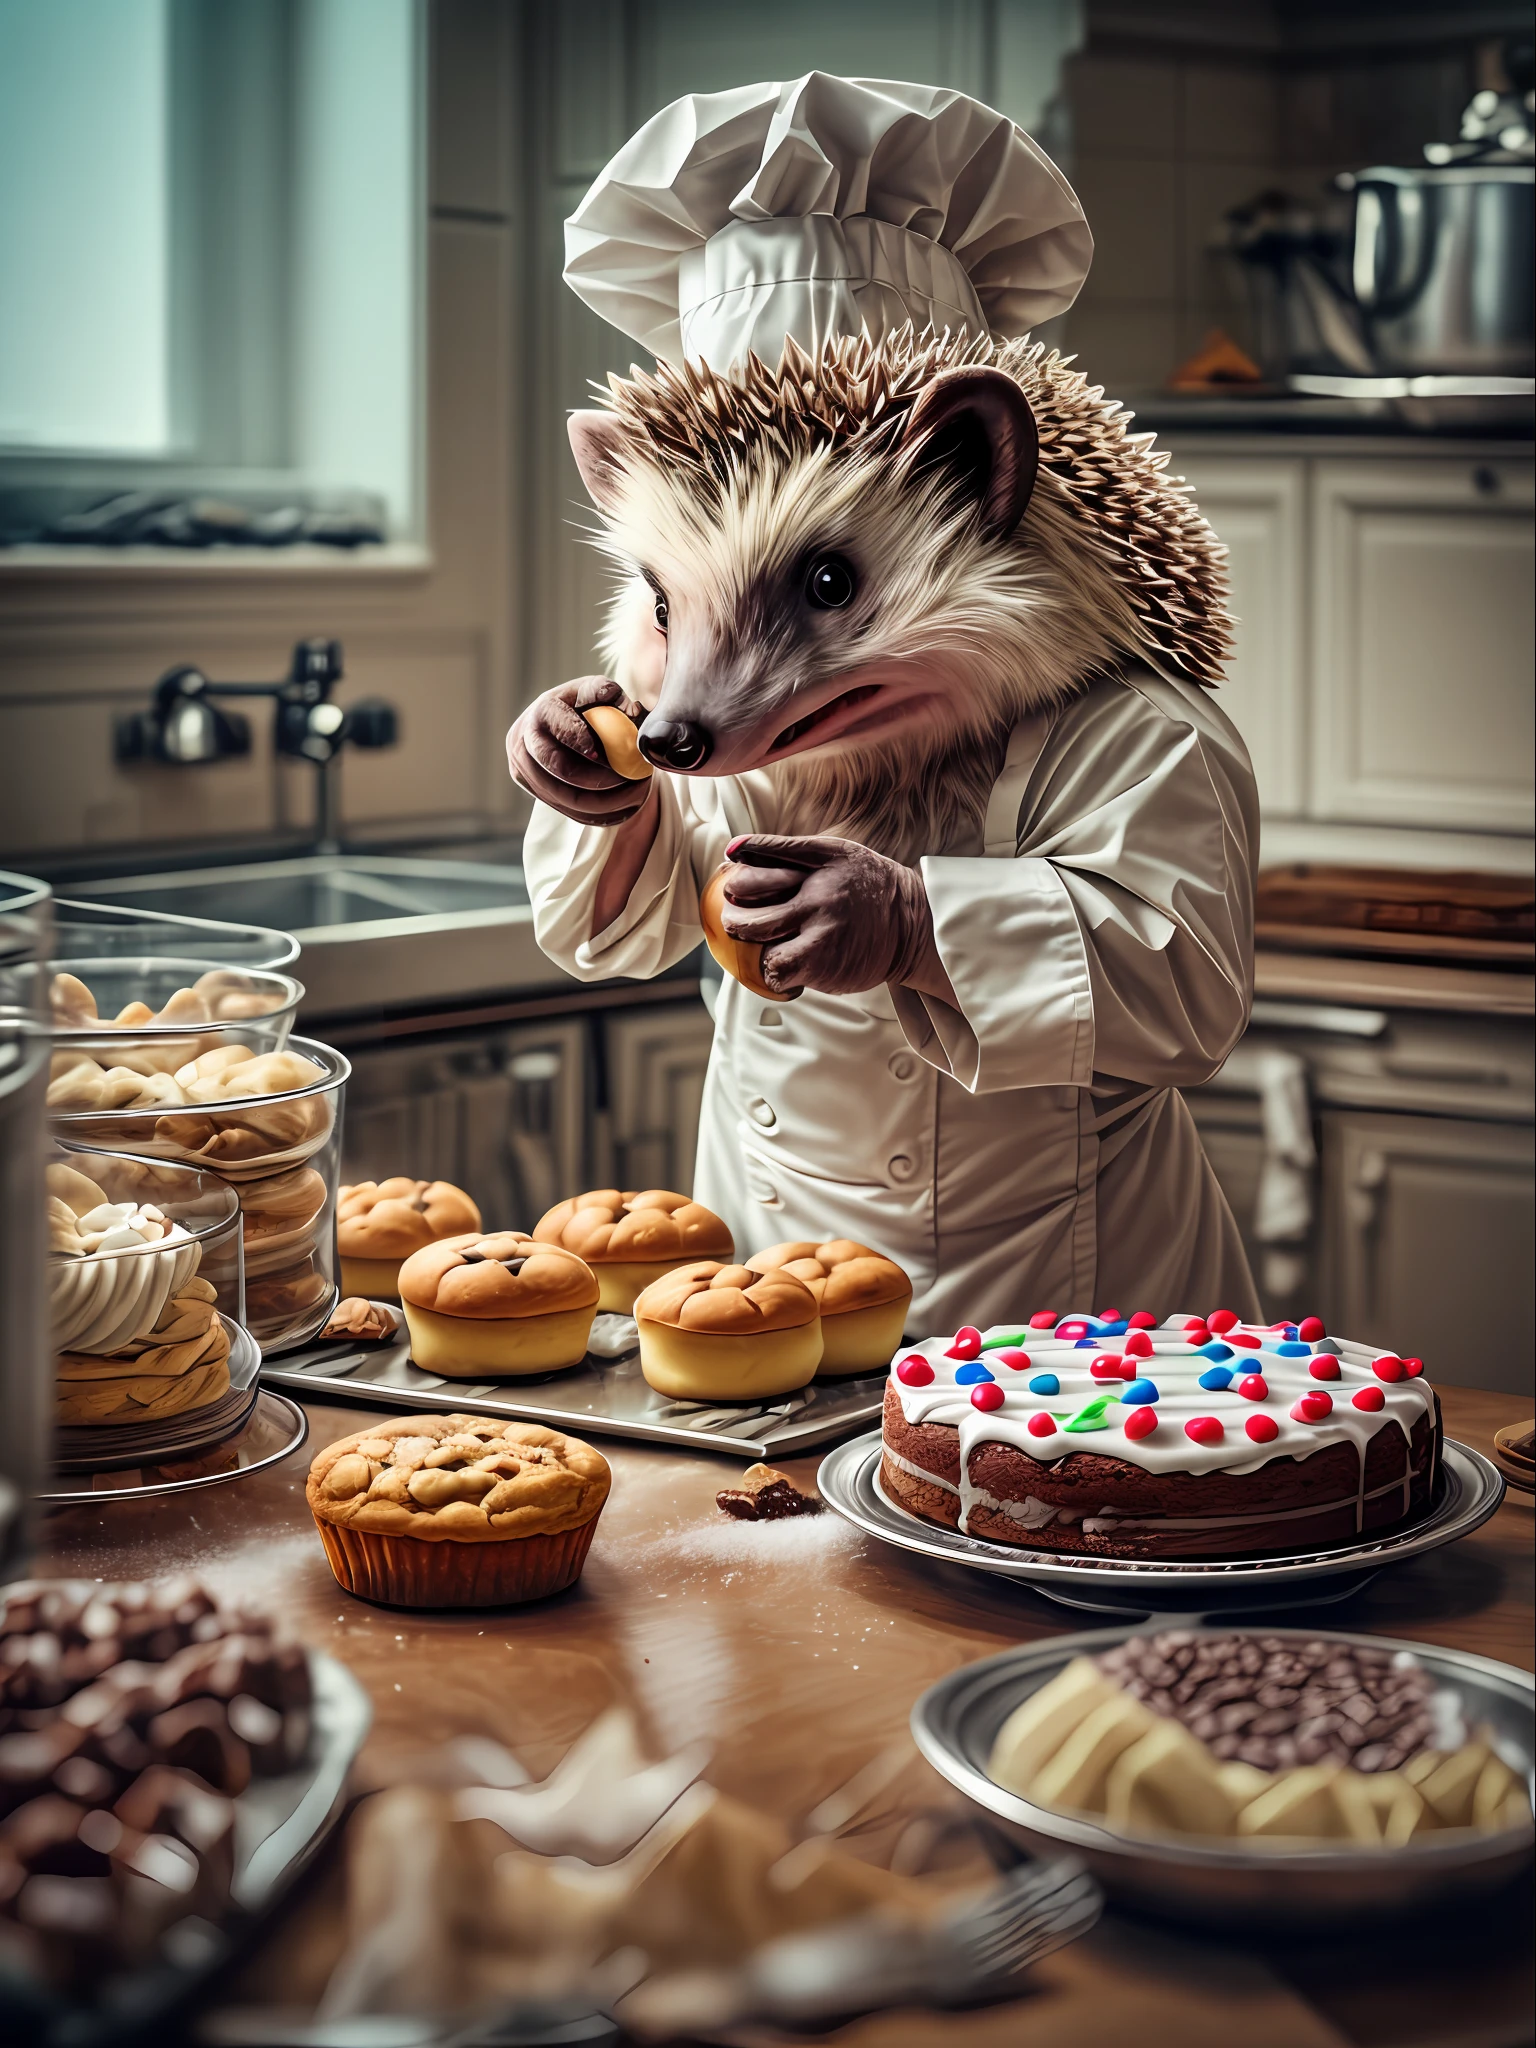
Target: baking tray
pixel 1222 1882
pixel 1468 1490
pixel 280 1822
pixel 603 1396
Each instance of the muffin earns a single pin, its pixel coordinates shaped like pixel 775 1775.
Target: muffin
pixel 499 1304
pixel 724 1333
pixel 456 1510
pixel 629 1240
pixel 379 1223
pixel 863 1298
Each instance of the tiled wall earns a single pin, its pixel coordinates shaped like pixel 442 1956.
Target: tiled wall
pixel 1169 134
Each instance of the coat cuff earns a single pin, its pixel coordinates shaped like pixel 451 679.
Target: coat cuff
pixel 1013 949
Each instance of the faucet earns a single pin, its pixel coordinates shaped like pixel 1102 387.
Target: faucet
pixel 186 724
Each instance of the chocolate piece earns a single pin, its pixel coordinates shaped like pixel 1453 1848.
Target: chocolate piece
pixel 1274 1702
pixel 765 1495
pixel 359 1321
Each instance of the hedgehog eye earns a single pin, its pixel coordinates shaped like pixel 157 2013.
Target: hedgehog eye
pixel 831 584
pixel 661 612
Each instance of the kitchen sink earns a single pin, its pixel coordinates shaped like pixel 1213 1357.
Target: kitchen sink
pixel 375 930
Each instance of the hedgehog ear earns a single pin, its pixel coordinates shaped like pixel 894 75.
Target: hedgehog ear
pixel 974 425
pixel 597 442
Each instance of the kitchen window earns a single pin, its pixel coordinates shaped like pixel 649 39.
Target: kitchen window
pixel 210 248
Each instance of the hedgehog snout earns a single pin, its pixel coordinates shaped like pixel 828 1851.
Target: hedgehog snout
pixel 676 743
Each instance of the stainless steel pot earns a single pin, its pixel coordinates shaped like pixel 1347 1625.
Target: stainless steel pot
pixel 1442 269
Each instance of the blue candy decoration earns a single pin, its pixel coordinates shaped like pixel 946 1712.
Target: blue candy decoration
pixel 1045 1383
pixel 1114 1329
pixel 1086 1344
pixel 1216 1381
pixel 1293 1350
pixel 972 1375
pixel 1139 1394
pixel 1290 1333
pixel 1215 1351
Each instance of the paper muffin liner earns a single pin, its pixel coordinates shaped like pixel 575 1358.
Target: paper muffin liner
pixel 405 1571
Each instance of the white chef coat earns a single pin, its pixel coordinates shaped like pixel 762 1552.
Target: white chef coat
pixel 1027 1147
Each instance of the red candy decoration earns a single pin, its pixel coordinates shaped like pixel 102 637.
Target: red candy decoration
pixel 1222 1321
pixel 1262 1428
pixel 1413 1367
pixel 1143 1320
pixel 1245 1339
pixel 1044 1319
pixel 1016 1361
pixel 1205 1429
pixel 987 1395
pixel 1138 1345
pixel 1193 1323
pixel 967 1344
pixel 1110 1315
pixel 1109 1367
pixel 1390 1368
pixel 1140 1422
pixel 1313 1407
pixel 1371 1399
pixel 1254 1387
pixel 915 1371
pixel 1310 1328
pixel 1324 1367
pixel 1041 1425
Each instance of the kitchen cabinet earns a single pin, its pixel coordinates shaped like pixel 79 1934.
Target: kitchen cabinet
pixel 1428 1230
pixel 652 1087
pixel 1384 640
pixel 1423 1196
pixel 1422 642
pixel 1259 509
pixel 501 1113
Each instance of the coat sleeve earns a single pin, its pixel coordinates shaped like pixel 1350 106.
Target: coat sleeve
pixel 657 927
pixel 1119 939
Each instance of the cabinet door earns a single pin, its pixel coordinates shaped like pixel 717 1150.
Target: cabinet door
pixel 654 1062
pixel 1428 1224
pixel 1232 1131
pixel 1256 508
pixel 502 1115
pixel 1423 643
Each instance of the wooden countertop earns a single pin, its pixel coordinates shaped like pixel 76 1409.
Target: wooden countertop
pixel 1393 984
pixel 797 1650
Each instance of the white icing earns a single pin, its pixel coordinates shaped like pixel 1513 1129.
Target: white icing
pixel 131 1264
pixel 1174 1368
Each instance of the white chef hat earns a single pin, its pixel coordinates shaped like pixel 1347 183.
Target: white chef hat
pixel 734 220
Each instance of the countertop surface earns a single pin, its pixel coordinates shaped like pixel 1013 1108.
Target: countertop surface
pixel 796 1650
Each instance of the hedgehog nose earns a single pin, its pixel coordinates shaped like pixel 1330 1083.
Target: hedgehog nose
pixel 674 743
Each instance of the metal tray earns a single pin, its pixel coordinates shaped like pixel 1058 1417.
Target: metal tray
pixel 956 1722
pixel 601 1397
pixel 279 1825
pixel 1467 1492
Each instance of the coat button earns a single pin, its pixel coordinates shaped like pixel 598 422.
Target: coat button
pixel 762 1113
pixel 903 1065
pixel 902 1167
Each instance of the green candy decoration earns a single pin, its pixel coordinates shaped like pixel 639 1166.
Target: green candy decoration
pixel 1005 1343
pixel 1092 1416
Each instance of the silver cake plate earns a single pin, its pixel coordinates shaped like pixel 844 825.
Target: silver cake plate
pixel 1467 1491
pixel 603 1396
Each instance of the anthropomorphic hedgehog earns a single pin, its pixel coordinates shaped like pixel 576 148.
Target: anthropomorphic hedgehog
pixel 919 637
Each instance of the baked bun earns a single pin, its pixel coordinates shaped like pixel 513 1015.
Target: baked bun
pixel 740 958
pixel 618 737
pixel 379 1223
pixel 863 1297
pixel 497 1304
pixel 630 1239
pixel 710 1332
pixel 456 1510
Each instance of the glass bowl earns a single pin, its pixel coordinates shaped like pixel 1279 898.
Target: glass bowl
pixel 281 1154
pixel 105 931
pixel 154 1014
pixel 25 944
